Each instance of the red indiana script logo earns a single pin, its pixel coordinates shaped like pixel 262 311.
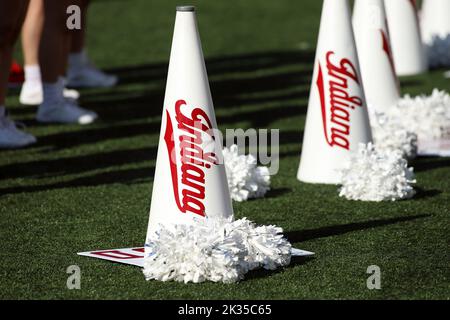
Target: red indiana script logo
pixel 336 125
pixel 194 161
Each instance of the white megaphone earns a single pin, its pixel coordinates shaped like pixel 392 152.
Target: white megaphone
pixel 337 119
pixel 381 86
pixel 404 30
pixel 435 19
pixel 189 182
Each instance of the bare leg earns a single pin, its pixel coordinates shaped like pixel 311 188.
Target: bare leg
pixel 55 40
pixel 31 32
pixel 12 14
pixel 31 93
pixel 81 72
pixel 5 64
pixel 78 36
pixel 53 55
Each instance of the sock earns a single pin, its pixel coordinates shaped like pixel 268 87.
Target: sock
pixel 63 80
pixel 2 112
pixel 53 94
pixel 77 60
pixel 33 75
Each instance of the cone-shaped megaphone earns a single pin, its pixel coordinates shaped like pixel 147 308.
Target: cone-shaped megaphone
pixel 381 86
pixel 407 48
pixel 435 19
pixel 337 119
pixel 189 181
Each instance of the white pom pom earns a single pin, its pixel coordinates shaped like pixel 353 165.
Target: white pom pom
pixel 439 51
pixel 427 116
pixel 214 250
pixel 265 245
pixel 372 175
pixel 245 179
pixel 389 134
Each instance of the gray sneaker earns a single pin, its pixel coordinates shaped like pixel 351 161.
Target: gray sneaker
pixel 11 137
pixel 65 112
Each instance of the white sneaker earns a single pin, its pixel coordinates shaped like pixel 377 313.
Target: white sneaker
pixel 66 112
pixel 71 94
pixel 11 137
pixel 447 74
pixel 32 94
pixel 89 76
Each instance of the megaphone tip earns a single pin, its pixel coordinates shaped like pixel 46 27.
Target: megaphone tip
pixel 186 8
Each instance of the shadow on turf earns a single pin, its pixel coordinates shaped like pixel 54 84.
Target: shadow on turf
pixel 430 163
pixel 260 118
pixel 128 176
pixel 77 164
pixel 83 163
pixel 238 80
pixel 423 194
pixel 262 273
pixel 261 86
pixel 222 65
pixel 80 164
pixel 274 193
pixel 309 234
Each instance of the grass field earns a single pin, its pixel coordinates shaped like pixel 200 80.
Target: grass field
pixel 85 188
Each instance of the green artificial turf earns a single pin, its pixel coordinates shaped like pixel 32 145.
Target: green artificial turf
pixel 85 188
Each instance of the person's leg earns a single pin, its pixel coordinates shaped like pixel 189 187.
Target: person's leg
pixel 53 52
pixel 32 31
pixel 54 41
pixel 31 93
pixel 10 18
pixel 12 14
pixel 81 72
pixel 78 36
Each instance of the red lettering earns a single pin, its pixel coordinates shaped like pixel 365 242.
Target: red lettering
pixel 340 100
pixel 192 157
